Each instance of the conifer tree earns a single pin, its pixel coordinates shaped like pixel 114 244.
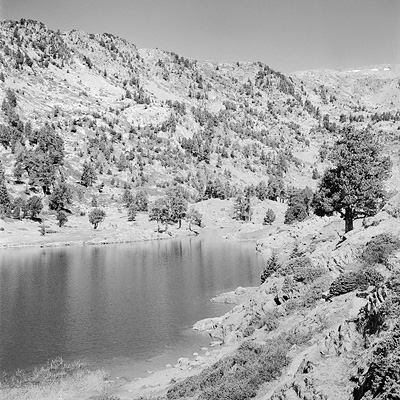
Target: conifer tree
pixel 354 186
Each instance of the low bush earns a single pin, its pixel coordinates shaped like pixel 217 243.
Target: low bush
pixel 52 372
pixel 380 248
pixel 307 275
pixel 350 281
pixel 237 376
pixel 248 331
pixel 271 321
pixel 302 270
pixel 381 375
pixel 347 282
pixel 294 263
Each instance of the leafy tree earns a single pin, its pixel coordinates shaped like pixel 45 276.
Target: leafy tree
pixel 61 197
pixel 34 206
pixel 269 217
pixel 96 216
pixel 88 176
pixel 61 218
pixel 194 217
pixel 159 211
pixel 353 187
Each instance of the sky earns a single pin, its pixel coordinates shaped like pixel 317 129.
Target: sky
pixel 287 35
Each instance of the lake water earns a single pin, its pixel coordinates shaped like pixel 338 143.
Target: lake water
pixel 117 305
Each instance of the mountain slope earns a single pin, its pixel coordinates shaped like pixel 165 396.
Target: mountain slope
pixel 149 118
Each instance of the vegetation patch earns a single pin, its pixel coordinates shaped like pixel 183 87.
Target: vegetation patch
pixel 271 266
pixel 349 281
pixel 54 380
pixel 380 248
pixel 237 376
pixel 380 378
pixel 302 270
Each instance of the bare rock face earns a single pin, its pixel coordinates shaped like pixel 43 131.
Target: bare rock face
pixel 235 324
pixel 341 340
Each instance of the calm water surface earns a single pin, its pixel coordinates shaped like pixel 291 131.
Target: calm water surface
pixel 115 305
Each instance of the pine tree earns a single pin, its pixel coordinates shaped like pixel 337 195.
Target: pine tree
pixel 88 176
pixel 354 186
pixel 269 217
pixel 132 212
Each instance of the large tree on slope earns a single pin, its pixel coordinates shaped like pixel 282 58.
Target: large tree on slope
pixel 354 186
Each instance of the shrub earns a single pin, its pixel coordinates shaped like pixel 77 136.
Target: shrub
pixel 271 321
pixel 301 269
pixel 347 282
pixel 52 372
pixel 311 296
pixel 307 274
pixel 293 264
pixel 373 277
pixel 248 331
pixel 380 248
pixel 237 376
pixel 94 202
pixel 350 281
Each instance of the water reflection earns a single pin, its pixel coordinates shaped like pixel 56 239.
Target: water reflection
pixel 113 301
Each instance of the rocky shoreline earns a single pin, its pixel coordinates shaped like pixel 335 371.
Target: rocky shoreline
pixel 323 331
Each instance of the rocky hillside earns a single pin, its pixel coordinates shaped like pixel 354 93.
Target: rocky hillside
pixel 149 118
pixel 323 325
pixel 92 115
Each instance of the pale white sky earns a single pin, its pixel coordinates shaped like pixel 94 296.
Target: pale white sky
pixel 288 35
